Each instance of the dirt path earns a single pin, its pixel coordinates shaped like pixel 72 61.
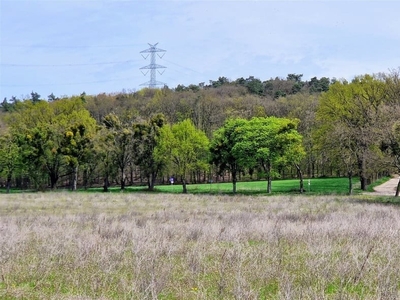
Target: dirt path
pixel 387 188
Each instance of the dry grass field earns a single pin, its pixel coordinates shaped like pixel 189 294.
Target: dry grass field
pixel 142 246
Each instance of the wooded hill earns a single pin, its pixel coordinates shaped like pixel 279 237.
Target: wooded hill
pixel 245 129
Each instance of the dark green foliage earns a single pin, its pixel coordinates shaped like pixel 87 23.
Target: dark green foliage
pixel 120 141
pixel 5 105
pixel 9 106
pixel 221 149
pixel 35 97
pixel 255 86
pixel 319 85
pixel 221 81
pixel 51 97
pixel 121 149
pixel 145 138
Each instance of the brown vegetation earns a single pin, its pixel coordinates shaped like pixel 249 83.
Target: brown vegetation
pixel 135 246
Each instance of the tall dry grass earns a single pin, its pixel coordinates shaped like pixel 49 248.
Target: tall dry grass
pixel 132 246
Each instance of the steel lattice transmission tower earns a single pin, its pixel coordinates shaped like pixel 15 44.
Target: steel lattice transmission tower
pixel 152 66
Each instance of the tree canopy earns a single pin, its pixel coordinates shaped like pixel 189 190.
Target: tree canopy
pixel 183 148
pixel 262 144
pixel 354 109
pixel 278 127
pixel 52 136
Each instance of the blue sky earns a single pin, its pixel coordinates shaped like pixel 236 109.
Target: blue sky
pixel 66 47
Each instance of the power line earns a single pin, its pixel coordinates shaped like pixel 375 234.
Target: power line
pixel 88 64
pixel 65 65
pixel 61 84
pixel 69 46
pixel 152 67
pixel 182 66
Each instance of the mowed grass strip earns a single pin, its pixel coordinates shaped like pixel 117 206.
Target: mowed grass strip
pixel 170 246
pixel 314 186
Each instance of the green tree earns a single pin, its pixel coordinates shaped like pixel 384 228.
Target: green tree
pixel 390 121
pixel 221 81
pixel 221 148
pixel 10 158
pixel 297 82
pixel 42 130
pixel 392 147
pixel 77 146
pixel 254 85
pixel 121 137
pixel 357 107
pixel 6 106
pixel 52 98
pixel 104 156
pixel 145 139
pixel 270 143
pixel 319 85
pixel 184 147
pixel 35 97
pixel 301 106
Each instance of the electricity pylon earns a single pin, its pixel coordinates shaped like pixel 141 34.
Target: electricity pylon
pixel 152 83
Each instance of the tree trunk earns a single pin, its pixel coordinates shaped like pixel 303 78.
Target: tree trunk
pixel 269 184
pixel 363 177
pixel 397 189
pixel 313 170
pixel 269 178
pixel 350 176
pixel 75 179
pixel 122 179
pixel 106 184
pixel 151 181
pixel 234 180
pixel 85 178
pixel 300 174
pixel 8 183
pixel 184 185
pixel 53 180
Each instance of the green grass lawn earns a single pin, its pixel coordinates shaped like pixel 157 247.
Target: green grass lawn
pixel 314 186
pixel 319 186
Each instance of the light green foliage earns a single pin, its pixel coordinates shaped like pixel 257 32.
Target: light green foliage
pixel 184 147
pixel 351 126
pixel 355 103
pixel 350 113
pixel 261 143
pixel 52 136
pixel 78 147
pixel 269 143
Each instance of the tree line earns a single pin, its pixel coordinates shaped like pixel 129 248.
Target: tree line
pixel 244 129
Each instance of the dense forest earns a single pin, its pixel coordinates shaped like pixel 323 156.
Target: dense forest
pixel 246 129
